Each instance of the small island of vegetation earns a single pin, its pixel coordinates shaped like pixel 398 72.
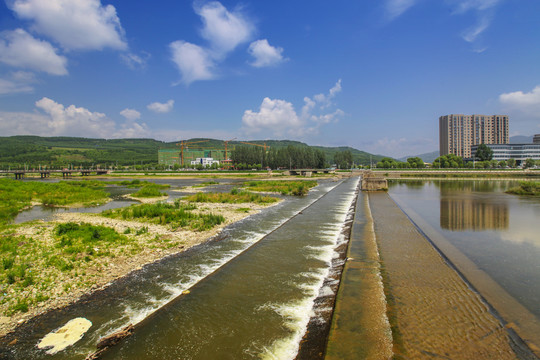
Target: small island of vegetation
pixel 526 188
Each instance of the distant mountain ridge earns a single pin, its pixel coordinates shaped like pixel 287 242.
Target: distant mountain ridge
pixel 61 150
pixel 426 157
pixel 521 139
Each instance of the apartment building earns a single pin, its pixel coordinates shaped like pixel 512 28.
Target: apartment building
pixel 458 132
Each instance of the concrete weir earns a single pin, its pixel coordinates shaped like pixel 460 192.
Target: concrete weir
pixel 400 298
pixel 372 182
pixel 432 310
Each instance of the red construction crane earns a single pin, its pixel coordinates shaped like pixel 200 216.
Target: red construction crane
pixel 184 144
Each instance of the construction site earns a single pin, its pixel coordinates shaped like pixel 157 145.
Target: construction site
pixel 200 152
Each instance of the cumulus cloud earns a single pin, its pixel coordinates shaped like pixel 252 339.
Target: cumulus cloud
pixel 279 118
pixel 324 100
pixel 265 54
pixel 394 8
pixel 193 61
pixel 56 119
pixel 20 49
pixel 223 29
pixel 526 102
pixel 161 107
pixel 75 25
pixel 130 114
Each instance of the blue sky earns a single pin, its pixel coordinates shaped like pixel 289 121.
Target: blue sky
pixel 374 75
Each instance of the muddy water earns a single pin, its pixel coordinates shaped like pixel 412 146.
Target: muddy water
pixel 491 237
pixel 250 292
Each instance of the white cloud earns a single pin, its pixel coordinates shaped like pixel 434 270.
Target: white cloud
pixel 394 8
pixel 130 114
pixel 265 54
pixel 225 30
pixel 67 121
pixel 485 10
pixel 463 6
pixel 17 82
pixel 528 103
pixel 12 87
pixel 135 61
pixel 278 118
pixel 20 49
pixel 193 62
pixel 74 24
pixel 161 107
pixel 323 100
pixel 471 34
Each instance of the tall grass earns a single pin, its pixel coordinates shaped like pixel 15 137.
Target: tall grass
pixel 234 197
pixel 175 215
pixel 149 191
pixel 526 188
pixel 296 188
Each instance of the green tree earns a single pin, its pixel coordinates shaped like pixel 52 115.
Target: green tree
pixel 416 162
pixel 529 163
pixel 483 153
pixel 343 159
pixel 512 163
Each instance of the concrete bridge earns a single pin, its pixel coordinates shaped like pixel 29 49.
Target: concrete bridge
pixel 19 174
pixel 308 172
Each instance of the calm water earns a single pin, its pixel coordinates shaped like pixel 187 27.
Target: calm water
pixel 499 232
pixel 250 294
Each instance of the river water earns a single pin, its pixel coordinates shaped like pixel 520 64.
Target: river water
pixel 247 294
pixel 493 238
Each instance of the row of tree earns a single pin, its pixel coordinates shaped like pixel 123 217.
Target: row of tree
pixel 412 162
pixel 298 157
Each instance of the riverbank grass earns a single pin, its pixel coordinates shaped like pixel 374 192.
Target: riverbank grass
pixel 526 188
pixel 284 187
pixel 176 215
pixel 234 197
pixel 149 191
pixel 53 261
pixel 16 195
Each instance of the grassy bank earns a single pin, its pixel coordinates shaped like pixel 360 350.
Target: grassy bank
pixel 176 215
pixel 17 195
pixel 297 188
pixel 526 188
pixel 148 191
pixel 31 267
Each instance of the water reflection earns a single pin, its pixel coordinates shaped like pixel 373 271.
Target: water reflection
pixel 467 212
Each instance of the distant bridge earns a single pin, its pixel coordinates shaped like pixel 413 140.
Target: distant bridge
pixel 308 172
pixel 19 174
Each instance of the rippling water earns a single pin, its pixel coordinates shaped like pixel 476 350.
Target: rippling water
pixel 251 291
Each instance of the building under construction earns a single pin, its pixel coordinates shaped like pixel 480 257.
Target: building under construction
pixel 171 157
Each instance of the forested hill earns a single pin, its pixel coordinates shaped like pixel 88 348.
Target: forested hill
pixel 61 151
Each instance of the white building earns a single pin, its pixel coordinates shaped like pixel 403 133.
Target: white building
pixel 518 152
pixel 204 162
